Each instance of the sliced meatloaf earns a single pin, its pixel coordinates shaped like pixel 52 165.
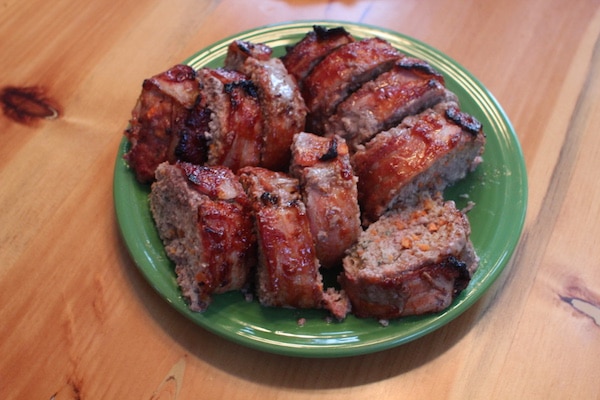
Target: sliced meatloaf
pixel 426 152
pixel 328 187
pixel 302 57
pixel 283 108
pixel 410 87
pixel 342 71
pixel 168 123
pixel 203 218
pixel 412 261
pixel 288 269
pixel 235 135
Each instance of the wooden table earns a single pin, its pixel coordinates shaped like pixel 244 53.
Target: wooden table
pixel 79 321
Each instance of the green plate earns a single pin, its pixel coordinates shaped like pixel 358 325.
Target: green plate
pixel 498 188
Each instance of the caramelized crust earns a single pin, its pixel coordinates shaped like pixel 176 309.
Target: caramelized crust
pixel 329 192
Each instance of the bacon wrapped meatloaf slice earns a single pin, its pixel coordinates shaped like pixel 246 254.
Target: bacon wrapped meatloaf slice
pixel 341 72
pixel 235 137
pixel 168 123
pixel 283 108
pixel 328 186
pixel 301 58
pixel 414 260
pixel 425 153
pixel 288 269
pixel 203 218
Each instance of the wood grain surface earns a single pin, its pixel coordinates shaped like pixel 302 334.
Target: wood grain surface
pixel 77 319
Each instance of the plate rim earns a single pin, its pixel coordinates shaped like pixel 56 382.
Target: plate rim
pixel 137 247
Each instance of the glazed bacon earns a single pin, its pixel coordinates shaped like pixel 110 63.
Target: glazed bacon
pixel 342 71
pixel 168 122
pixel 410 87
pixel 301 58
pixel 328 187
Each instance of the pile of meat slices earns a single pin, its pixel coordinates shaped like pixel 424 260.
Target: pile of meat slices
pixel 267 171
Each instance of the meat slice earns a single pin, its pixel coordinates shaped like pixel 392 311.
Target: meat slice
pixel 410 87
pixel 169 122
pixel 341 72
pixel 301 58
pixel 283 108
pixel 204 220
pixel 328 187
pixel 426 152
pixel 236 123
pixel 288 269
pixel 412 261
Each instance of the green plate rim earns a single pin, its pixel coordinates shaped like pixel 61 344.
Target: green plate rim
pixel 497 224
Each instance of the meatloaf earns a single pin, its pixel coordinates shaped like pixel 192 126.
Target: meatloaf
pixel 283 108
pixel 301 58
pixel 203 218
pixel 342 71
pixel 410 87
pixel 168 123
pixel 328 187
pixel 235 128
pixel 425 153
pixel 413 260
pixel 288 269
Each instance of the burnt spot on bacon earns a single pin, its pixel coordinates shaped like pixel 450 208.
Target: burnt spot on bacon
pixel 247 85
pixel 466 121
pixel 332 152
pixel 192 146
